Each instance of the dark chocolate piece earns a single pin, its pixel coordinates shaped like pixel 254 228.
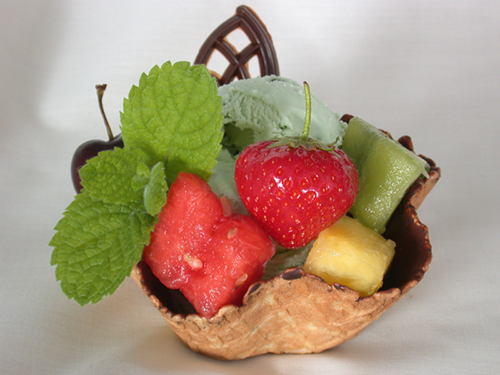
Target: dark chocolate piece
pixel 292 274
pixel 261 45
pixel 171 299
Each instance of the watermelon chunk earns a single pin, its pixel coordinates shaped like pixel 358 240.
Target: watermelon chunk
pixel 199 247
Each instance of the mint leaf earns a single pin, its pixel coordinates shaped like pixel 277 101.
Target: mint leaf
pixel 109 175
pixel 154 191
pixel 174 114
pixel 96 245
pixel 141 178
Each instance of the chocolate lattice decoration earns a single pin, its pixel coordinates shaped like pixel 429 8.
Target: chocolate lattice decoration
pixel 261 45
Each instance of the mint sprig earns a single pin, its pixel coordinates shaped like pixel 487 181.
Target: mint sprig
pixel 171 122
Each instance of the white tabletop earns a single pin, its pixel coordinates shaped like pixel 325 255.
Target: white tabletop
pixel 427 69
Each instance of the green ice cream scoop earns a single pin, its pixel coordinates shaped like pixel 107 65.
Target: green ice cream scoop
pixel 272 107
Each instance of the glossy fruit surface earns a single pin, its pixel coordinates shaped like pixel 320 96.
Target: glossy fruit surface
pixel 201 248
pixel 386 171
pixel 295 192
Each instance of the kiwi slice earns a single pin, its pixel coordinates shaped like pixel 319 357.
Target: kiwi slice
pixel 386 170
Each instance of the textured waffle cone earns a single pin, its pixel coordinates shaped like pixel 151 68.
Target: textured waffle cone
pixel 297 312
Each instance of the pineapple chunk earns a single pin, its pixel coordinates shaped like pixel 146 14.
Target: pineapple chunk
pixel 351 254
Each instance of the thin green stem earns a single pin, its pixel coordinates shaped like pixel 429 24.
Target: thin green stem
pixel 100 93
pixel 307 123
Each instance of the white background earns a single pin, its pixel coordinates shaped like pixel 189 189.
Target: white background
pixel 429 69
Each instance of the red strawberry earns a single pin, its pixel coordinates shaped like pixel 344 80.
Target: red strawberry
pixel 199 247
pixel 295 188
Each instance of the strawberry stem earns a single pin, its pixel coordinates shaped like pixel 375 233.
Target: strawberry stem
pixel 307 123
pixel 304 141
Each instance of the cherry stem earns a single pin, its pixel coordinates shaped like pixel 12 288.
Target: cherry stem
pixel 307 123
pixel 100 93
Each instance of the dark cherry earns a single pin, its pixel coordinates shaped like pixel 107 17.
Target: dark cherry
pixel 91 148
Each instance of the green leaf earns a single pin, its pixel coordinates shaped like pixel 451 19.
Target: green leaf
pixel 109 176
pixel 174 114
pixel 155 190
pixel 142 177
pixel 96 245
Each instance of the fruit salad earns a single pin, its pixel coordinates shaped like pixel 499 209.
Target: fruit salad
pixel 244 216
